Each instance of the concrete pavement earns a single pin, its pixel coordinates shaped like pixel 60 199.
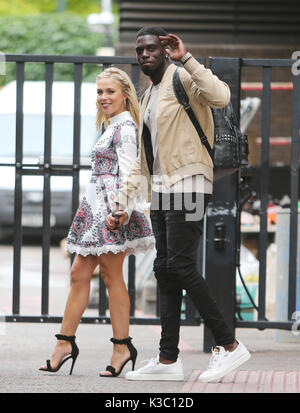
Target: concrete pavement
pixel 273 368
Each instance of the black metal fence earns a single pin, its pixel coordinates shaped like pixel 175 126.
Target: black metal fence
pixel 213 255
pixel 267 66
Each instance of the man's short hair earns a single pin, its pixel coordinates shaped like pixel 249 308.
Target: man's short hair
pixel 152 30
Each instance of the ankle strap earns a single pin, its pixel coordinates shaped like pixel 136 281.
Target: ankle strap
pixel 122 341
pixel 66 338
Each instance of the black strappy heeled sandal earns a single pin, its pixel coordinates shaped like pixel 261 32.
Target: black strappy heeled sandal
pixel 133 355
pixel 73 355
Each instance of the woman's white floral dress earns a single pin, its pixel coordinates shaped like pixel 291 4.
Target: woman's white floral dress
pixel 112 157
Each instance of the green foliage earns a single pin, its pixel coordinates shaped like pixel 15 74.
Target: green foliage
pixel 33 7
pixel 52 34
pixel 85 7
pixel 24 7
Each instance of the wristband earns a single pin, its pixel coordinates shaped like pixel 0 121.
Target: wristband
pixel 185 57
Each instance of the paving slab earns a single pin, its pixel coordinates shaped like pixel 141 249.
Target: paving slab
pixel 274 367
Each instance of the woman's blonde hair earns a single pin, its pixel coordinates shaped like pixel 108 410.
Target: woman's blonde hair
pixel 128 91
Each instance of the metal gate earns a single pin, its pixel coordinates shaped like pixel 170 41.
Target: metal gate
pixel 47 169
pixel 224 238
pixel 268 65
pixel 222 219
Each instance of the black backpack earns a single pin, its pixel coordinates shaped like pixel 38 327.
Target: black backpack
pixel 230 145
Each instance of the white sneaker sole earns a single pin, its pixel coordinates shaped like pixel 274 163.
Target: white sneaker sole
pixel 217 377
pixel 157 377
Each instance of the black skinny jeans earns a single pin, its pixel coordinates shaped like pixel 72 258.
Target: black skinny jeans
pixel 177 241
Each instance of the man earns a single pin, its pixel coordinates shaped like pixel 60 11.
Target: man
pixel 182 175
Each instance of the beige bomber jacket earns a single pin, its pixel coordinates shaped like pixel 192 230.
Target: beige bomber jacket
pixel 181 152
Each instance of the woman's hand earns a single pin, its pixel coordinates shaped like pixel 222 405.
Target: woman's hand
pixel 116 220
pixel 174 46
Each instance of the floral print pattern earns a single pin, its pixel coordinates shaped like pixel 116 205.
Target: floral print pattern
pixel 111 161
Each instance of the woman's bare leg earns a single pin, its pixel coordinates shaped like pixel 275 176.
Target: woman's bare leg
pixel 81 273
pixel 111 268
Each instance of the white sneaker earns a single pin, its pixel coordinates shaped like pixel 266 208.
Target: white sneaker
pixel 223 362
pixel 154 370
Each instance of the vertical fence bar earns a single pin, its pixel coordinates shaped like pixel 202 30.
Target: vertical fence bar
pixel 18 190
pixel 46 191
pixel 76 135
pixel 264 190
pixel 102 305
pixel 131 283
pixel 76 139
pixel 135 76
pixel 105 66
pixel 294 197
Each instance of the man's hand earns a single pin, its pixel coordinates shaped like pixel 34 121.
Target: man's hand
pixel 115 220
pixel 175 47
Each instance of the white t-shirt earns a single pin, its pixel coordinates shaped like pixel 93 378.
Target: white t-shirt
pixel 195 183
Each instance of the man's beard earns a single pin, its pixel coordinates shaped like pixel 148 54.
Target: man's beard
pixel 148 70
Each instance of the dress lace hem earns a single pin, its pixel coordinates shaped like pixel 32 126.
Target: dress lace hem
pixel 131 247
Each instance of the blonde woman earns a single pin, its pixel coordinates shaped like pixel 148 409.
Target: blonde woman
pixel 90 239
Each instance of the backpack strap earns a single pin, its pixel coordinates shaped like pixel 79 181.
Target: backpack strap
pixel 183 99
